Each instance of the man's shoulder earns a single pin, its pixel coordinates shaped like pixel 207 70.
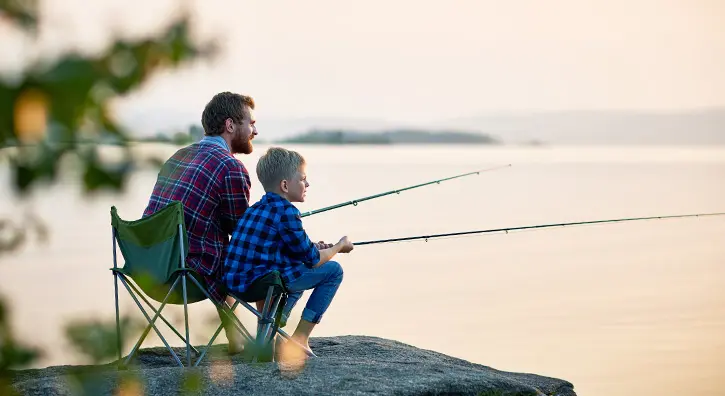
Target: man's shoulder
pixel 227 160
pixel 210 155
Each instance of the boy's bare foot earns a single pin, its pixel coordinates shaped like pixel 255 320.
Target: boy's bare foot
pixel 291 357
pixel 298 343
pixel 302 341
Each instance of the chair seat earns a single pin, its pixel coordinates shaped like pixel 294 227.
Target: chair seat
pixel 158 292
pixel 257 291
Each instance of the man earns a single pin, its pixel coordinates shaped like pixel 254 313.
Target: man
pixel 214 187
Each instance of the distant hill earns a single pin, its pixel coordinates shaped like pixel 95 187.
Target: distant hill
pixel 706 126
pixel 405 136
pixel 602 127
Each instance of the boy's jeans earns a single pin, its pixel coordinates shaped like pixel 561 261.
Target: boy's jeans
pixel 324 281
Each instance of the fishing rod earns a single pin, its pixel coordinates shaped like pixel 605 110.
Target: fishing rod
pixel 506 230
pixel 357 201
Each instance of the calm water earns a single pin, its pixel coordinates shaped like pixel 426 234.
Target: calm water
pixel 633 308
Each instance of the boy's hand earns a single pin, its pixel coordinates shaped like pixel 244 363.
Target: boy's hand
pixel 346 245
pixel 322 245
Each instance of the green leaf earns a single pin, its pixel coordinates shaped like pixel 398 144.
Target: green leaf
pixel 23 12
pixel 13 236
pixel 192 382
pixel 98 176
pixel 7 118
pixel 24 176
pixel 68 84
pixel 36 163
pixel 97 340
pixel 12 354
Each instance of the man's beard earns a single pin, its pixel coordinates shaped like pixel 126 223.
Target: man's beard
pixel 240 145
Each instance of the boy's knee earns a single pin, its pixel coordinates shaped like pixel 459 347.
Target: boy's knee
pixel 335 270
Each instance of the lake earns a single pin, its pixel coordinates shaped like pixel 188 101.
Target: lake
pixel 632 308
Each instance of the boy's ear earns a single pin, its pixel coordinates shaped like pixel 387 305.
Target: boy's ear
pixel 283 186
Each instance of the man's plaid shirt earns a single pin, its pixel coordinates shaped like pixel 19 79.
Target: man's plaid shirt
pixel 268 237
pixel 214 187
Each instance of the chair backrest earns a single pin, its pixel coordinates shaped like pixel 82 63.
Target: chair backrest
pixel 151 249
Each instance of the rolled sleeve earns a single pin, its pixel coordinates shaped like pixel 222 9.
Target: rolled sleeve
pixel 296 240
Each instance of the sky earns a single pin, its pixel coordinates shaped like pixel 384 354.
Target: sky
pixel 410 62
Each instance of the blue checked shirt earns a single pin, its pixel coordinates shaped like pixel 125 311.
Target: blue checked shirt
pixel 268 237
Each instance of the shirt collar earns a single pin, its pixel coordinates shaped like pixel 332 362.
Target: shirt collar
pixel 274 197
pixel 218 140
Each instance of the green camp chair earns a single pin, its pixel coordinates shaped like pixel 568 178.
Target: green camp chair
pixel 154 249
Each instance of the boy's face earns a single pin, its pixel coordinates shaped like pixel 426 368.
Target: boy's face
pixel 297 187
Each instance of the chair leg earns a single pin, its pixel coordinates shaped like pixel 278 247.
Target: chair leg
pixel 229 313
pixel 263 316
pixel 157 315
pixel 151 324
pixel 151 306
pixel 119 342
pixel 208 345
pixel 278 315
pixel 186 322
pixel 237 325
pixel 260 352
pixel 280 331
pixel 272 318
pixel 267 326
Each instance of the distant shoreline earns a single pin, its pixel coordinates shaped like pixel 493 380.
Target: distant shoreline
pixel 408 136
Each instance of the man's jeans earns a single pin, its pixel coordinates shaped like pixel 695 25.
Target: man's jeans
pixel 324 281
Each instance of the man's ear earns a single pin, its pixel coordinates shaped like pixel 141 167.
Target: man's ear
pixel 228 126
pixel 283 186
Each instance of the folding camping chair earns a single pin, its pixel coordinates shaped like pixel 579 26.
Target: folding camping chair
pixel 154 249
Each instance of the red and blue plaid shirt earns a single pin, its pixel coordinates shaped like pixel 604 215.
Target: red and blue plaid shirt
pixel 268 237
pixel 214 187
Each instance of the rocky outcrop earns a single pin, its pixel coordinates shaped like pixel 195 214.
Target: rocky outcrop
pixel 349 365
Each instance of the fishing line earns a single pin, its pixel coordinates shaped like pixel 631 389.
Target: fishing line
pixel 531 227
pixel 355 202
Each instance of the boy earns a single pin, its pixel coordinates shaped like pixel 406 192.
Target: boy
pixel 270 237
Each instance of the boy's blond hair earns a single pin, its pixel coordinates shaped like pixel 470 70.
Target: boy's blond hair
pixel 277 164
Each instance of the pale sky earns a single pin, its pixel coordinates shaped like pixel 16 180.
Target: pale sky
pixel 416 61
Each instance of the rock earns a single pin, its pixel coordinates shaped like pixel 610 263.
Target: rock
pixel 350 365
